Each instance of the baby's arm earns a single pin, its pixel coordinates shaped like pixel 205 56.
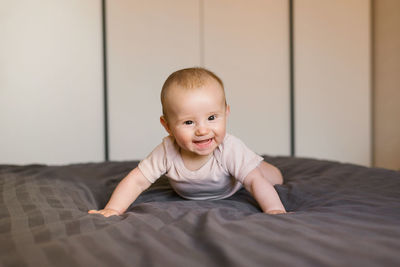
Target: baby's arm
pixel 125 193
pixel 260 183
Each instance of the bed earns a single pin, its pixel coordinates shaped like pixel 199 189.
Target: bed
pixel 340 215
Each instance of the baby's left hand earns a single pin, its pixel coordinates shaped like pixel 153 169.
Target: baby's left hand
pixel 275 212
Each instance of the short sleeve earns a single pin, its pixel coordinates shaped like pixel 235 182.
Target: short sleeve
pixel 154 165
pixel 238 158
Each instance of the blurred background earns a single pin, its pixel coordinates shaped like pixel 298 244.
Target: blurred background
pixel 80 80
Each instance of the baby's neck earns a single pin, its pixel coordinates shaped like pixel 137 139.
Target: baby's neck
pixel 192 161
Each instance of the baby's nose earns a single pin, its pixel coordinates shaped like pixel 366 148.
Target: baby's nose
pixel 201 130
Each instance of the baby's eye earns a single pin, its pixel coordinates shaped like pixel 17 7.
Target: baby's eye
pixel 211 118
pixel 188 122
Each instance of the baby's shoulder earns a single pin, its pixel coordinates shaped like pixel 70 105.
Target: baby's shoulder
pixel 231 142
pixel 233 148
pixel 171 149
pixel 227 148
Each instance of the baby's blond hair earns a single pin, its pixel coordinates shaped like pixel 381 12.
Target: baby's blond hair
pixel 188 78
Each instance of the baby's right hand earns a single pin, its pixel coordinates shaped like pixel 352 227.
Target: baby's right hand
pixel 105 212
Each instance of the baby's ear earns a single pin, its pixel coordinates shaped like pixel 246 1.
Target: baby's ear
pixel 164 123
pixel 227 110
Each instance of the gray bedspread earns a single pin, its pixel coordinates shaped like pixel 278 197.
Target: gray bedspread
pixel 341 215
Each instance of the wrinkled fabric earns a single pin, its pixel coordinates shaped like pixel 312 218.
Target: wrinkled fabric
pixel 341 215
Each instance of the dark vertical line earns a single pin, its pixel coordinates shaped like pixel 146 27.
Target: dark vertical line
pixel 372 81
pixel 291 78
pixel 105 81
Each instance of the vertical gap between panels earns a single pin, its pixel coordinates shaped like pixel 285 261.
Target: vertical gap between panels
pixel 291 78
pixel 105 81
pixel 372 82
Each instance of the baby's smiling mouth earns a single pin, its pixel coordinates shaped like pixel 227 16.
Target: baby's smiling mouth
pixel 203 142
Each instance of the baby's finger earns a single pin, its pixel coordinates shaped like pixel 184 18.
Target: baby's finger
pixel 93 211
pixel 105 213
pixel 274 212
pixel 109 213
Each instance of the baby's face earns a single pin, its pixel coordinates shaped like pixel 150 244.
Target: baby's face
pixel 196 118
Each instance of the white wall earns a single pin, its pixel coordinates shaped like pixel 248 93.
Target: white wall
pixel 332 80
pixel 50 82
pixel 51 75
pixel 147 40
pixel 248 47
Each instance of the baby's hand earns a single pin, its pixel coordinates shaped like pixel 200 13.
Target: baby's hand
pixel 276 212
pixel 105 212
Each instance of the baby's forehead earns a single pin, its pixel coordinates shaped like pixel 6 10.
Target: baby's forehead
pixel 169 95
pixel 195 86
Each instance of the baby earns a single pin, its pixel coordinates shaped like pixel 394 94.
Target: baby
pixel 201 160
